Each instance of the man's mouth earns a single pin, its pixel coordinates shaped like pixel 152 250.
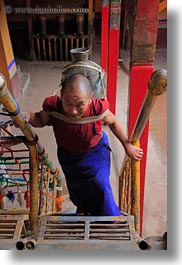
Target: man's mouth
pixel 74 116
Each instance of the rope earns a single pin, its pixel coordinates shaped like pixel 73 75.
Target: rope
pixel 61 117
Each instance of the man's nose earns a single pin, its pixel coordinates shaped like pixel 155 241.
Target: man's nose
pixel 74 110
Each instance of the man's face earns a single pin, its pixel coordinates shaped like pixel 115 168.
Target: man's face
pixel 75 103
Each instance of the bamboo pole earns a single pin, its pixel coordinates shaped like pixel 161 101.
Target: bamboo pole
pixel 13 109
pixel 90 26
pixel 157 85
pixel 135 191
pixel 33 189
pixel 35 149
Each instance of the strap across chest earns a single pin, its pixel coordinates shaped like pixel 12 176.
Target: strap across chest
pixel 85 120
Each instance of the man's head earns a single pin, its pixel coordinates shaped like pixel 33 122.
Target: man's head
pixel 76 94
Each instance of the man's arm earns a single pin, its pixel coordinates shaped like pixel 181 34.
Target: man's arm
pixel 37 119
pixel 115 126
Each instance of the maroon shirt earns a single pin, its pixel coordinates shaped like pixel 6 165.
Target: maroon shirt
pixel 76 138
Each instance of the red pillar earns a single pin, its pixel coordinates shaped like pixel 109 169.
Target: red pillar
pixel 139 76
pixel 114 33
pixel 144 24
pixel 104 34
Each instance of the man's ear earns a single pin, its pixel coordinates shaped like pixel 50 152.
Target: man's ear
pixel 90 99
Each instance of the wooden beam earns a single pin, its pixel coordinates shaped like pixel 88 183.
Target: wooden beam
pixel 162 5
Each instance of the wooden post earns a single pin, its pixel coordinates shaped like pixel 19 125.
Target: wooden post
pixel 61 24
pixel 139 76
pixel 30 32
pixel 79 18
pixel 33 189
pixel 13 109
pixel 157 85
pixel 43 25
pixel 135 191
pixel 90 26
pixel 7 61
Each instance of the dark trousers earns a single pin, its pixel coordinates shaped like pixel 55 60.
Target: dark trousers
pixel 87 178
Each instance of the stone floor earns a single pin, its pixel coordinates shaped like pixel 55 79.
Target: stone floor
pixel 45 78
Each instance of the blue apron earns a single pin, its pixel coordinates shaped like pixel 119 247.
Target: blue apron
pixel 87 178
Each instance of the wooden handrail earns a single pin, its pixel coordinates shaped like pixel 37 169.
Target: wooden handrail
pixel 34 147
pixel 157 85
pixel 129 180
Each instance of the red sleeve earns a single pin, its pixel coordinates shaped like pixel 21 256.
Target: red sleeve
pixel 100 105
pixel 51 103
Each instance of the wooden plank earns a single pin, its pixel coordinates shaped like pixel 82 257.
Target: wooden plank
pixel 90 26
pixel 114 230
pixel 38 48
pixel 56 234
pixel 8 224
pixel 109 225
pixel 83 42
pixel 66 48
pixel 52 230
pixel 13 216
pixel 105 245
pixel 162 5
pixel 71 43
pixel 77 42
pixel 6 235
pixel 61 49
pixel 44 49
pixel 74 218
pixel 30 32
pixel 64 225
pixel 55 49
pixel 6 229
pixel 87 230
pixel 18 229
pixel 105 233
pixel 49 49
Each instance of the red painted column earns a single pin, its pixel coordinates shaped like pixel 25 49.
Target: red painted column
pixel 104 34
pixel 143 25
pixel 114 33
pixel 139 76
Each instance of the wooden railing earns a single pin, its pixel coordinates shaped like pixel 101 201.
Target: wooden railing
pixel 57 48
pixel 129 180
pixel 40 172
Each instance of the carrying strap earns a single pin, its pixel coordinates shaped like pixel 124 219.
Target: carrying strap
pixel 84 64
pixel 89 65
pixel 64 118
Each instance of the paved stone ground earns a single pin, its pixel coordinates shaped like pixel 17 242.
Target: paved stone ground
pixel 45 78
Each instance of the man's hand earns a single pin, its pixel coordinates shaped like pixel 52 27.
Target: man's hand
pixel 36 119
pixel 26 114
pixel 133 151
